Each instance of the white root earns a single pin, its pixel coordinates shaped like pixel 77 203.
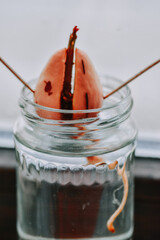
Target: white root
pixel 97 161
pixel 121 172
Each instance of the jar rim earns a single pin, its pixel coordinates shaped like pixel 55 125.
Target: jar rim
pixel 125 94
pixel 92 131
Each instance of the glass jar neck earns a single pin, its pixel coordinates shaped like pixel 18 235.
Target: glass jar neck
pixel 93 130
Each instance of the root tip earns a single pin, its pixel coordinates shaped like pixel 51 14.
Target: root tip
pixel 111 228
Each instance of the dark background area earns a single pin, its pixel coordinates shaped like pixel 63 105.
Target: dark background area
pixel 147 197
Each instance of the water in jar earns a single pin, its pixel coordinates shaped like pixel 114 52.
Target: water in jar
pixel 64 198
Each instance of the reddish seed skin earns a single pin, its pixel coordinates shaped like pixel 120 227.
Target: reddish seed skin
pixel 87 87
pixel 54 73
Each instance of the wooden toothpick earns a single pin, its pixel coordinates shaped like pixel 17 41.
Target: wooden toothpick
pixel 132 78
pixel 1 60
pixel 109 94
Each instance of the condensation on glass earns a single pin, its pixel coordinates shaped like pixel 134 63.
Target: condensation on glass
pixel 73 175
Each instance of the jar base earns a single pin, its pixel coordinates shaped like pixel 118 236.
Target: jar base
pixel 23 236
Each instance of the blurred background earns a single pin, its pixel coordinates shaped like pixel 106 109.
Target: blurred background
pixel 121 38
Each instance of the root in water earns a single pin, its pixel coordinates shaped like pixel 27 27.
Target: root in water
pixel 121 172
pixel 115 200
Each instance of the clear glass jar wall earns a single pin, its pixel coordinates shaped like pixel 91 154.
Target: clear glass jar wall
pixel 75 177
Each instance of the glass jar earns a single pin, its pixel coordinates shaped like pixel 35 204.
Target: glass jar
pixel 75 177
